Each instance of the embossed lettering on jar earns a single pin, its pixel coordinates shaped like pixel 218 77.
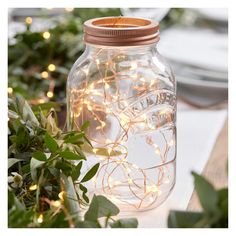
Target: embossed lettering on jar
pixel 127 91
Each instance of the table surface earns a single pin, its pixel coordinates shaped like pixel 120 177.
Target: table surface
pixel 216 168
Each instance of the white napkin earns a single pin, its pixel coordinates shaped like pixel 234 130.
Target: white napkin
pixel 197 133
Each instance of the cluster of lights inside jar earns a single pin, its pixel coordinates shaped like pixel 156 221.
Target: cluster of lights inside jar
pixel 82 100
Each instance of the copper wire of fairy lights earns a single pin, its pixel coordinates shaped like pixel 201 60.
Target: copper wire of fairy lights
pixel 145 191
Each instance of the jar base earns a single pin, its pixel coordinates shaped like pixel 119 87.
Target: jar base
pixel 129 204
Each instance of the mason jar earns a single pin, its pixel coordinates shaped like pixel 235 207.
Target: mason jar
pixel 127 92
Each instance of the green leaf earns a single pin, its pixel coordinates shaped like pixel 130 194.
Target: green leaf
pixel 184 219
pixel 22 137
pixel 223 194
pixel 74 139
pixel 125 223
pixel 106 207
pixel 85 197
pixel 207 195
pixel 14 202
pixel 223 203
pixel 85 125
pixel 65 166
pixel 40 156
pixel 92 212
pixel 25 168
pixel 88 224
pixel 50 143
pixel 13 161
pixel 71 156
pixel 100 206
pixel 85 190
pixel 34 165
pixel 87 140
pixel 89 175
pixel 47 106
pixel 76 172
pixel 25 110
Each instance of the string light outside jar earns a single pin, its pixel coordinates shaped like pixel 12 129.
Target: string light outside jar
pixel 126 90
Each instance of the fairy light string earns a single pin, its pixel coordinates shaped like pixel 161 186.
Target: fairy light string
pixel 94 100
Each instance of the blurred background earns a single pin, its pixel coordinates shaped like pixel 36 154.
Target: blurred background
pixel 44 43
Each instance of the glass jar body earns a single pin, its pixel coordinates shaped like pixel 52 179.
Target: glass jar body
pixel 128 95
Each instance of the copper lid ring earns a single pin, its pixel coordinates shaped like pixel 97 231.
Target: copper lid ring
pixel 121 31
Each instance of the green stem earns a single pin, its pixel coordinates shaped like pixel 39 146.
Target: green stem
pixel 71 198
pixel 39 185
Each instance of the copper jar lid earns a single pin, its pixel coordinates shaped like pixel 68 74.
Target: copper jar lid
pixel 121 31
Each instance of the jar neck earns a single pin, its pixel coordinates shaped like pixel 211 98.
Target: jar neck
pixel 142 49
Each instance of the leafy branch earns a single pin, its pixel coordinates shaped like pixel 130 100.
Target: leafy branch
pixel 215 208
pixel 46 174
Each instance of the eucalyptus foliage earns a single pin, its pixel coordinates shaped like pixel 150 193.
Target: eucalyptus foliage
pixel 46 184
pixel 215 208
